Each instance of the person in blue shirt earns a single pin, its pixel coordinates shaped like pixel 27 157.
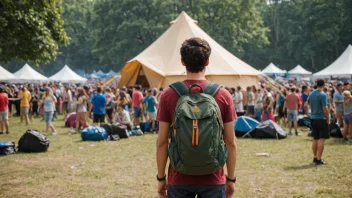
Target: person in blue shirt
pixel 150 106
pixel 304 96
pixel 338 100
pixel 98 103
pixel 320 119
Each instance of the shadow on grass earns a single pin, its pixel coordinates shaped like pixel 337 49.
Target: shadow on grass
pixel 335 141
pixel 303 167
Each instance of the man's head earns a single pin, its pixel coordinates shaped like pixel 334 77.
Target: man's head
pixel 238 88
pixel 320 83
pixel 195 54
pixel 346 94
pixel 304 89
pixel 346 86
pixel 120 108
pixel 339 87
pixel 150 92
pixel 138 87
pixel 293 89
pixel 99 89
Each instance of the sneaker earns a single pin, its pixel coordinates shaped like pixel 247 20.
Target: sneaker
pixel 55 133
pixel 1 132
pixel 296 133
pixel 315 160
pixel 349 141
pixel 8 132
pixel 320 162
pixel 289 133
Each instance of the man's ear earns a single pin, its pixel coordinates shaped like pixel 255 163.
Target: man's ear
pixel 207 63
pixel 183 63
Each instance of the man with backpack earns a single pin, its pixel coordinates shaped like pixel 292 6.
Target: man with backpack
pixel 198 116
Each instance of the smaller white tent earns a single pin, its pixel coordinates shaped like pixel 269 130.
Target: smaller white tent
pixel 66 75
pixel 272 69
pixel 5 75
pixel 28 75
pixel 299 70
pixel 341 67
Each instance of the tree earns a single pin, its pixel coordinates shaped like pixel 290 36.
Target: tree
pixel 30 30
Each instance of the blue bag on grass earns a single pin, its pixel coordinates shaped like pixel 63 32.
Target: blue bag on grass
pixel 94 133
pixel 7 148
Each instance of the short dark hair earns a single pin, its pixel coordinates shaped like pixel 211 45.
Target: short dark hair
pixel 2 89
pixel 99 89
pixel 238 88
pixel 293 89
pixel 304 88
pixel 315 87
pixel 320 83
pixel 138 87
pixel 346 83
pixel 195 53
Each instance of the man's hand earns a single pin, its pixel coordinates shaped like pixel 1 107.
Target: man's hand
pixel 230 189
pixel 162 187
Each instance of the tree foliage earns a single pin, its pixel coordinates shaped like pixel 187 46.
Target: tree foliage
pixel 30 30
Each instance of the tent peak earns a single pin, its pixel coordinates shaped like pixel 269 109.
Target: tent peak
pixel 183 17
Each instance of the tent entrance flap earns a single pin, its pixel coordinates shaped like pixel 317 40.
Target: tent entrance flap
pixel 142 79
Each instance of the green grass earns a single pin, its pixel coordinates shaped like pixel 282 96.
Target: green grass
pixel 127 168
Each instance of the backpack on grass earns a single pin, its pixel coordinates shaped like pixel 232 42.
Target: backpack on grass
pixel 33 141
pixel 94 133
pixel 197 146
pixel 7 148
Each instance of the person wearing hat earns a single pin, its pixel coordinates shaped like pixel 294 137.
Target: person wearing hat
pixel 338 101
pixel 4 101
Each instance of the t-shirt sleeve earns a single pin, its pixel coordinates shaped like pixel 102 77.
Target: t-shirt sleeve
pixel 164 114
pixel 336 97
pixel 226 106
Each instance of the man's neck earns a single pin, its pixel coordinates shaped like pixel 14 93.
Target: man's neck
pixel 320 88
pixel 196 76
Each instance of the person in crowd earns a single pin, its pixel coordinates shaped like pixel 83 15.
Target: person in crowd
pixel 10 94
pixel 161 89
pixel 24 96
pixel 320 119
pixel 97 106
pixel 81 109
pixel 16 102
pixel 123 100
pixel 268 103
pixel 347 116
pixel 137 99
pixel 49 101
pixel 258 105
pixel 66 100
pixel 58 95
pixel 304 96
pixel 4 102
pixel 346 86
pixel 339 100
pixel 35 101
pixel 122 117
pixel 292 104
pixel 250 102
pixel 150 107
pixel 239 102
pixel 195 54
pixel 110 98
pixel 280 101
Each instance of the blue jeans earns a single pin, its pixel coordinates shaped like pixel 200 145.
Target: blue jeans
pixel 190 191
pixel 258 114
pixel 48 116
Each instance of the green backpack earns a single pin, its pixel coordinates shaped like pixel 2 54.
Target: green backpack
pixel 197 146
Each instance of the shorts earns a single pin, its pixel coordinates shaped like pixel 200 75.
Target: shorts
pixel 137 112
pixel 152 115
pixel 250 110
pixel 109 112
pixel 24 111
pixel 320 129
pixel 48 116
pixel 282 113
pixel 339 114
pixel 292 115
pixel 347 119
pixel 66 107
pixel 4 115
pixel 98 118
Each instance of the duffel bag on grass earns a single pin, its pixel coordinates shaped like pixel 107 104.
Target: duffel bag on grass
pixel 94 133
pixel 7 148
pixel 33 141
pixel 112 129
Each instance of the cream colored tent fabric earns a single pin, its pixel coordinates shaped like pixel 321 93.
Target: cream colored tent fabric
pixel 342 67
pixel 161 64
pixel 272 69
pixel 299 70
pixel 28 75
pixel 66 75
pixel 5 75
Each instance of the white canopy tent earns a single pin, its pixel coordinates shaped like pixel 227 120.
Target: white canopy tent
pixel 299 70
pixel 5 75
pixel 272 69
pixel 341 67
pixel 28 75
pixel 66 75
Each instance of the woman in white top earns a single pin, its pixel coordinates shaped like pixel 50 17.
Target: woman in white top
pixel 49 101
pixel 81 109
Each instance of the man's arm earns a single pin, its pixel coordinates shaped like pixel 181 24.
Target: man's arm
pixel 327 113
pixel 284 108
pixel 230 140
pixel 336 101
pixel 161 148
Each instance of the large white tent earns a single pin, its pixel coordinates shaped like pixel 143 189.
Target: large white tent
pixel 299 70
pixel 273 69
pixel 28 75
pixel 160 64
pixel 5 75
pixel 341 67
pixel 66 75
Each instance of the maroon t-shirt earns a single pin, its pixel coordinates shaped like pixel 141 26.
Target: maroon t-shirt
pixel 167 105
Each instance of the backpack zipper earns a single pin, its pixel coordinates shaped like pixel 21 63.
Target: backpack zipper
pixel 195 133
